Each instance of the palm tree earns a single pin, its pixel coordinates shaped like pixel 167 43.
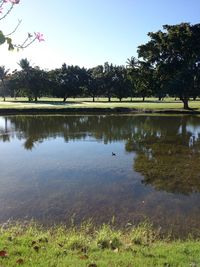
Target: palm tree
pixel 26 68
pixel 132 66
pixel 3 75
pixel 24 64
pixel 132 63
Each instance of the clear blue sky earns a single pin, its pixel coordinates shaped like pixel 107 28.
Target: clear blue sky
pixel 90 32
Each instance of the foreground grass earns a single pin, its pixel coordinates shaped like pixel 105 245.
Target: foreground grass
pixel 30 245
pixel 56 103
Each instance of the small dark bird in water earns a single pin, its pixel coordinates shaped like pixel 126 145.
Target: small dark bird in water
pixel 113 154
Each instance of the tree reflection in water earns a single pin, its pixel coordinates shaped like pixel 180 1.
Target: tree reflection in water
pixel 167 147
pixel 169 156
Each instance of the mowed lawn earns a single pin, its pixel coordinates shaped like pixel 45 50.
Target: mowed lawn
pixel 137 103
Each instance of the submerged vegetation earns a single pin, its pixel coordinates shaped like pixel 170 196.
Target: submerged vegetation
pixel 31 245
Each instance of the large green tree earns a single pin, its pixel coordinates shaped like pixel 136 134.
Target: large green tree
pixel 141 76
pixel 176 49
pixel 29 81
pixel 94 81
pixel 25 76
pixel 108 81
pixel 39 83
pixel 121 84
pixel 68 81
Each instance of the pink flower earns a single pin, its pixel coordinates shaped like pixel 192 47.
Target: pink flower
pixel 13 1
pixel 39 36
pixel 1 9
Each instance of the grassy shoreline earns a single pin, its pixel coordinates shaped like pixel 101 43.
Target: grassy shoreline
pixel 31 245
pixel 93 111
pixel 85 105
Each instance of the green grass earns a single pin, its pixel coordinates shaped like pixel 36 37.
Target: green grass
pixel 56 103
pixel 31 245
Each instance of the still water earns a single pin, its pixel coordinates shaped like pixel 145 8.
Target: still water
pixel 53 168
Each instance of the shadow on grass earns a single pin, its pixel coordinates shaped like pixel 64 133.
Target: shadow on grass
pixel 54 103
pixel 192 109
pixel 133 101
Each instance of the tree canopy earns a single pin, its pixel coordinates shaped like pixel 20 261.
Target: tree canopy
pixel 174 53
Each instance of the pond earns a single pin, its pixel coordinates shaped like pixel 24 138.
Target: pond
pixel 125 168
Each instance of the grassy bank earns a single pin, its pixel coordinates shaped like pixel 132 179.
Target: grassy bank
pixel 78 104
pixel 30 245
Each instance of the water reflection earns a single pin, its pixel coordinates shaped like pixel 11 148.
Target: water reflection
pixel 168 157
pixel 55 166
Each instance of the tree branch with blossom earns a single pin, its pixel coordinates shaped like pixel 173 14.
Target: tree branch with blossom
pixel 6 38
pixel 30 39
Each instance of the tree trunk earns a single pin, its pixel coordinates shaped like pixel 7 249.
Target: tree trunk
pixel 184 126
pixel 64 99
pixel 93 100
pixel 143 98
pixel 6 124
pixel 185 102
pixel 35 98
pixel 194 98
pixel 160 98
pixel 4 89
pixel 109 99
pixel 120 99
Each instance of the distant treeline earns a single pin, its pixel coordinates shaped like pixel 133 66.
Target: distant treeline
pixel 169 64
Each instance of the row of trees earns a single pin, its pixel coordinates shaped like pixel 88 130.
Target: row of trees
pixel 72 81
pixel 169 64
pixel 67 81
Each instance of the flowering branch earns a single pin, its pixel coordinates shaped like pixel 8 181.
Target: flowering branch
pixel 2 2
pixel 5 38
pixel 8 11
pixel 29 40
